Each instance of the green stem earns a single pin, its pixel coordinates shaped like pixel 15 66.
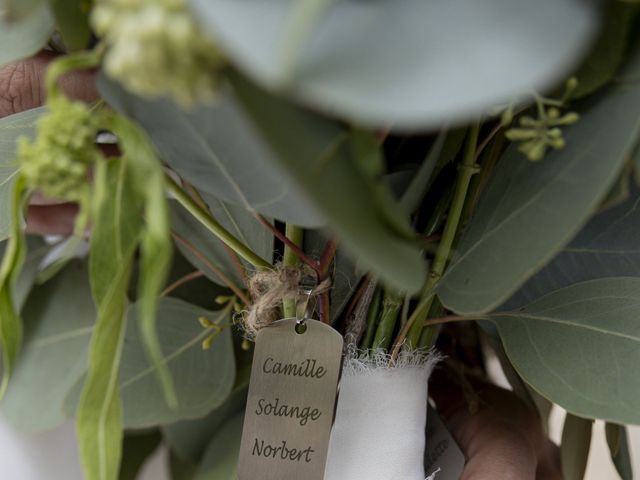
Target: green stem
pixel 391 304
pixel 466 170
pixel 290 259
pixel 372 319
pixel 69 63
pixel 214 227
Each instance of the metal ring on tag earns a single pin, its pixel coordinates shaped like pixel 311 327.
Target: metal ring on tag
pixel 301 323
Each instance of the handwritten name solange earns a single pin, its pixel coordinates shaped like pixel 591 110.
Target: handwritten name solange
pixel 281 451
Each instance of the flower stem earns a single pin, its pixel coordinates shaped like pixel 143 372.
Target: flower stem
pixel 214 227
pixel 391 304
pixel 413 328
pixel 291 258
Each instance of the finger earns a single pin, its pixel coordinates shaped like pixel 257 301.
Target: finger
pixel 51 219
pixel 549 465
pixel 22 84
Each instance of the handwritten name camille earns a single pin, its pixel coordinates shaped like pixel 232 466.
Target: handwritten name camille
pixel 308 368
pixel 282 452
pixel 276 409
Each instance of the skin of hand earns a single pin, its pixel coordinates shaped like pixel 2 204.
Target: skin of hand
pixel 501 437
pixel 22 88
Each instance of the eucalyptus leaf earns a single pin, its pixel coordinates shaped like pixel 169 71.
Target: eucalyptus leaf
pixel 72 20
pixel 574 449
pixel 12 10
pixel 203 379
pixel 457 58
pixel 23 37
pixel 618 442
pixel 329 163
pixel 531 209
pixel 189 439
pixel 237 220
pixel 216 149
pixel 58 318
pixel 179 469
pixel 573 346
pixel 608 246
pixel 603 61
pixel 221 458
pixel 11 128
pixel 136 450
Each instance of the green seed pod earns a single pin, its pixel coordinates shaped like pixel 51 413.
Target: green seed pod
pixel 156 49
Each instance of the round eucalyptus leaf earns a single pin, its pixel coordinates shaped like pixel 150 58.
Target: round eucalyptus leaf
pixel 410 64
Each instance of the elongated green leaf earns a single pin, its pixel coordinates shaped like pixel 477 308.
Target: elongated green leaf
pixel 24 36
pixel 99 415
pixel 11 128
pixel 618 441
pixel 136 450
pixel 574 346
pixel 237 220
pixel 72 20
pixel 574 449
pixel 608 246
pixel 12 261
pixel 114 239
pixel 147 175
pixel 348 60
pixel 179 469
pixel 531 209
pixel 216 149
pixel 58 318
pixel 322 159
pixel 221 458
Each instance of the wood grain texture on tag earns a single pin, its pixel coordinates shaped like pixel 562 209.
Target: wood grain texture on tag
pixel 292 397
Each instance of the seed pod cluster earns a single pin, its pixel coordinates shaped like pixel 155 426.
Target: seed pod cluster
pixel 155 49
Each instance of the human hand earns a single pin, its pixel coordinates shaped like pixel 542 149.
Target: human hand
pixel 501 437
pixel 22 88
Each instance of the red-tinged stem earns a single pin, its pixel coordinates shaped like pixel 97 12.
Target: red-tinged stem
pixel 181 281
pixel 223 277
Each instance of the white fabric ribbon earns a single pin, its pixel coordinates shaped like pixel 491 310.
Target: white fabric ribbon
pixel 379 430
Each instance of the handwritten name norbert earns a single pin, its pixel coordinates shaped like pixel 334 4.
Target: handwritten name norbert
pixel 281 451
pixel 308 368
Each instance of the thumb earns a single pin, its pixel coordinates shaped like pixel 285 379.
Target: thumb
pixel 22 85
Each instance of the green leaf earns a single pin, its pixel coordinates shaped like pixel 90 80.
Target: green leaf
pixel 147 175
pixel 189 439
pixel 618 441
pixel 179 469
pixel 237 220
pixel 221 458
pixel 216 149
pixel 606 247
pixel 319 155
pixel 116 230
pixel 12 261
pixel 99 415
pixel 72 20
pixel 531 209
pixel 58 319
pixel 25 36
pixel 572 345
pixel 12 10
pixel 574 449
pixel 606 57
pixel 203 379
pixel 11 128
pixel 136 450
pixel 349 58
